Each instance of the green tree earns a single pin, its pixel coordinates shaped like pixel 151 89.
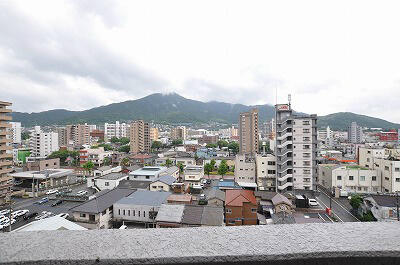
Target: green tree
pixel 233 147
pixel 208 168
pixel 156 145
pixel 25 136
pixel 177 142
pixel 356 201
pixel 181 168
pixel 63 155
pixel 211 145
pixel 223 168
pixel 168 163
pixel 106 147
pixel 212 163
pixel 88 166
pixel 124 140
pixel 114 140
pixel 125 162
pixel 124 148
pixel 106 161
pixel 222 143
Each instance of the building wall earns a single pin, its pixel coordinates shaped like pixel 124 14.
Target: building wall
pixel 43 164
pixel 78 134
pixel 355 133
pixel 178 133
pixel 101 221
pixel 116 129
pixel 193 173
pixel 103 184
pixel 43 144
pixel 134 213
pixel 5 150
pixel 241 215
pixel 16 132
pixel 140 137
pixel 159 186
pixel 248 132
pixel 62 136
pixel 266 172
pixel 245 168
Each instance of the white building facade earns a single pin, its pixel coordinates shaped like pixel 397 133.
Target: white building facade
pixel 43 144
pixel 116 129
pixel 16 132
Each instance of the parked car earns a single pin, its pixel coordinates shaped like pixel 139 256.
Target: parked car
pixel 6 222
pixel 30 215
pixel 203 181
pixel 43 215
pixel 63 215
pixel 67 190
pixel 208 181
pixel 20 213
pixel 82 193
pixel 202 196
pixel 49 192
pixel 4 212
pixel 57 202
pixel 43 200
pixel 313 202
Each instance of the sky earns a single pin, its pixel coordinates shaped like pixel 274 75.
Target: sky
pixel 331 56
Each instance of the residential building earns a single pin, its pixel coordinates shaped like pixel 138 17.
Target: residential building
pixel 142 159
pixel 383 207
pixel 266 172
pixel 97 213
pixel 248 132
pixel 390 136
pixel 354 133
pixel 209 139
pixel 96 136
pixel 134 184
pixel 350 178
pixel 116 129
pixel 215 197
pixel 295 149
pixel 16 132
pixel 178 133
pixel 163 183
pixel 62 136
pixel 140 207
pixel 186 161
pixel 42 143
pixel 193 174
pixel 140 137
pixel 109 181
pixel 245 170
pixel 78 135
pixel 5 151
pixel 171 171
pixel 240 207
pixel 154 134
pixel 180 199
pixel 95 155
pixel 41 164
pixel 147 173
pixel 170 216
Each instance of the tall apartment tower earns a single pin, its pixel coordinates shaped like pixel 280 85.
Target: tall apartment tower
pixel 154 134
pixel 62 136
pixel 116 129
pixel 16 132
pixel 140 137
pixel 248 132
pixel 43 144
pixel 78 134
pixel 354 133
pixel 5 150
pixel 295 149
pixel 178 133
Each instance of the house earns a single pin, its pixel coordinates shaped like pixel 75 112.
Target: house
pixel 180 199
pixel 134 184
pixel 193 174
pixel 101 172
pixel 273 203
pixel 163 183
pixel 171 171
pixel 240 207
pixel 186 161
pixel 97 213
pixel 228 184
pixel 142 159
pixel 383 207
pixel 216 197
pixel 149 173
pixel 95 155
pixel 140 207
pixel 109 181
pixel 169 216
pixel 50 223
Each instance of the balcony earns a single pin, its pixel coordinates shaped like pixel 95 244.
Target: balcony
pixel 336 243
pixel 5 118
pixel 6 163
pixel 5 170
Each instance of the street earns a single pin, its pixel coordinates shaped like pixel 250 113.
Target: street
pixel 338 209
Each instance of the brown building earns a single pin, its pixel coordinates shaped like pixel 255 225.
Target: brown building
pixel 209 139
pixel 154 134
pixel 78 134
pixel 62 136
pixel 5 158
pixel 97 134
pixel 178 133
pixel 42 164
pixel 248 132
pixel 140 137
pixel 240 207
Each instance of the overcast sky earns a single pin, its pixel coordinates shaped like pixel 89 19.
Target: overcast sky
pixel 331 56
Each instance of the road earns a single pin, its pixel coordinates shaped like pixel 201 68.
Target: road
pixel 342 214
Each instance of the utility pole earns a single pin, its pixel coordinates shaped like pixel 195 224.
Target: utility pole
pixel 397 204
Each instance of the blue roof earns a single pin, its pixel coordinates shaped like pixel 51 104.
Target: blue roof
pixel 166 179
pixel 145 197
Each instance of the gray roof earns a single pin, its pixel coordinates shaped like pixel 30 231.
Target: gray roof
pixel 171 170
pixel 133 168
pixel 265 195
pixel 113 176
pixel 385 200
pixel 103 168
pixel 192 214
pixel 145 197
pixel 134 184
pixel 213 216
pixel 166 179
pixel 216 194
pixel 100 203
pixel 283 218
pixel 170 213
pixel 279 198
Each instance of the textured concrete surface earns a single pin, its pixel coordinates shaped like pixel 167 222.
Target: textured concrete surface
pixel 339 243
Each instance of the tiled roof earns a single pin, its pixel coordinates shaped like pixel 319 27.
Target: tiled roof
pixel 180 198
pixel 265 195
pixel 238 197
pixel 134 184
pixel 212 216
pixel 279 198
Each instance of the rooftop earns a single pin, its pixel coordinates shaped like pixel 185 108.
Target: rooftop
pixel 134 184
pixel 145 197
pixel 52 173
pixel 238 197
pixel 112 176
pixel 170 213
pixel 50 223
pixel 148 171
pixel 166 180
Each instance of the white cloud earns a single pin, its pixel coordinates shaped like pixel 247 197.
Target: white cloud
pixel 331 56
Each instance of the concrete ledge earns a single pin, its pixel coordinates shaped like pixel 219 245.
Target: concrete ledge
pixel 339 243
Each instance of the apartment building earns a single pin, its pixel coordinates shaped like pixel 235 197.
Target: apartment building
pixel 5 148
pixel 245 170
pixel 296 149
pixel 42 143
pixel 351 178
pixel 95 155
pixel 140 137
pixel 266 172
pixel 62 136
pixel 248 132
pixel 16 132
pixel 78 135
pixel 154 134
pixel 354 133
pixel 116 129
pixel 178 133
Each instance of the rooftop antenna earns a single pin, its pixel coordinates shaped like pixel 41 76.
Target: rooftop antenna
pixel 289 99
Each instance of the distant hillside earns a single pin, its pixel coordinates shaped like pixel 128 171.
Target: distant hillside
pixel 173 108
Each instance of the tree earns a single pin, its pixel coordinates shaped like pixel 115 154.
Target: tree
pixel 125 162
pixel 181 168
pixel 168 163
pixel 124 140
pixel 88 166
pixel 222 143
pixel 356 201
pixel 177 142
pixel 114 140
pixel 156 145
pixel 223 168
pixel 106 161
pixel 234 147
pixel 208 168
pixel 106 147
pixel 211 145
pixel 63 155
pixel 212 163
pixel 124 148
pixel 25 136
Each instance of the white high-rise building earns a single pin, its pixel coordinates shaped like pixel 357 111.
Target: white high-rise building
pixel 116 129
pixel 43 144
pixel 354 133
pixel 16 132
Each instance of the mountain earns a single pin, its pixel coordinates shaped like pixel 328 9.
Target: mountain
pixel 173 108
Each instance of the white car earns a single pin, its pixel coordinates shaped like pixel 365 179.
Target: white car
pixel 20 213
pixel 63 215
pixel 49 192
pixel 197 186
pixel 203 181
pixel 43 215
pixel 313 202
pixel 4 212
pixel 82 192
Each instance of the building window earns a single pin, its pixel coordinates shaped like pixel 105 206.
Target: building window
pixel 83 215
pixel 123 212
pixel 144 214
pixel 397 179
pixel 373 178
pixel 228 210
pixel 138 213
pixel 154 187
pixel 129 212
pixel 351 177
pixel 386 168
pixel 339 177
pixel 271 163
pixel 106 184
pixel 133 212
pixel 119 211
pixel 396 169
pixel 253 210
